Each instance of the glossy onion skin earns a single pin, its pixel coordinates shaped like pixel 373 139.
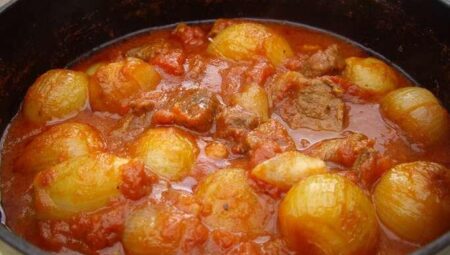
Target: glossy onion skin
pixel 81 184
pixel 286 169
pixel 247 40
pixel 57 144
pixel 234 205
pixel 370 74
pixel 216 150
pixel 56 94
pixel 91 70
pixel 413 200
pixel 113 85
pixel 254 99
pixel 143 233
pixel 418 112
pixel 168 152
pixel 328 214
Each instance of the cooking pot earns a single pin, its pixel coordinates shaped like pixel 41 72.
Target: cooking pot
pixel 37 35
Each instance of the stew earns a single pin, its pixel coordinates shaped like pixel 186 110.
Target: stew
pixel 237 137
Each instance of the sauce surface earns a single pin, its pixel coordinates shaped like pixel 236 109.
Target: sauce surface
pixel 187 64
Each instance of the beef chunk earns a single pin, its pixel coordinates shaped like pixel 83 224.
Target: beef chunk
pixel 267 140
pixel 163 54
pixel 232 80
pixel 127 130
pixel 148 101
pixel 354 151
pixel 150 50
pixel 343 150
pixel 188 35
pixel 233 124
pixel 316 107
pixel 308 103
pixel 365 166
pixel 172 61
pixel 259 72
pixel 271 132
pixel 237 76
pixel 196 69
pixel 191 108
pixel 323 62
pixel 370 166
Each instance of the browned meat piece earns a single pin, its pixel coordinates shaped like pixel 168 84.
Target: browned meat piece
pixel 149 101
pixel 284 85
pixel 235 77
pixel 172 61
pixel 128 129
pixel 356 152
pixel 197 65
pixel 343 150
pixel 232 80
pixel 271 132
pixel 149 50
pixel 308 103
pixel 191 108
pixel 163 54
pixel 259 72
pixel 323 62
pixel 316 107
pixel 365 166
pixel 267 140
pixel 370 166
pixel 234 123
pixel 189 35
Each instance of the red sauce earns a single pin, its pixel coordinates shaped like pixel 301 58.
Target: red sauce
pixel 101 231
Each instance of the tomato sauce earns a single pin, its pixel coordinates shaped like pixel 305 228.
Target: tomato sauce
pixel 100 232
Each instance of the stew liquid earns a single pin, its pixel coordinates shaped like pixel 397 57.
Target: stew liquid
pixel 237 137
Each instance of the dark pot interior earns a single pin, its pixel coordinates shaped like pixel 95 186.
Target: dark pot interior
pixel 37 35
